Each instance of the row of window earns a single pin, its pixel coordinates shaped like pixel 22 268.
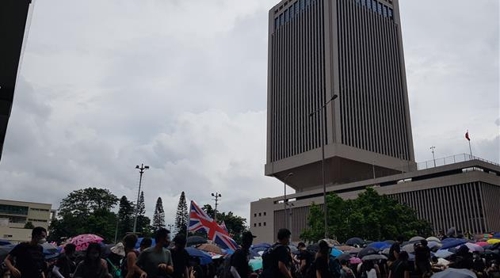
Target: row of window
pixel 9 209
pixel 377 7
pixel 38 209
pixel 260 214
pixel 37 220
pixel 292 12
pixel 260 224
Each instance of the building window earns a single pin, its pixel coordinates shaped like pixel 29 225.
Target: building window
pixel 301 3
pixel 296 7
pixel 379 10
pixel 264 223
pixel 260 214
pixel 385 11
pixel 259 224
pixel 264 213
pixel 391 16
pixel 286 16
pixel 255 215
pixel 374 5
pixel 255 224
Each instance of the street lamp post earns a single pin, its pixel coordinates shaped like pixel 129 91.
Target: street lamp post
pixel 141 171
pixel 285 201
pixel 216 196
pixel 323 132
pixel 433 157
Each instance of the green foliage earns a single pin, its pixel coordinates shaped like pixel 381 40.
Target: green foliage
pixel 29 225
pixel 125 217
pixel 143 226
pixel 159 215
pixel 181 217
pixel 371 216
pixel 86 211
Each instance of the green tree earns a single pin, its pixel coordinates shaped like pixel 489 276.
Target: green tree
pixel 86 211
pixel 181 217
pixel 143 225
pixel 29 225
pixel 370 216
pixel 125 217
pixel 159 215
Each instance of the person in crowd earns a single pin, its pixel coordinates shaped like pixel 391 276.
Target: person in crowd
pixel 400 268
pixel 195 269
pixel 463 259
pixel 65 265
pixel 493 271
pixel 423 259
pixel 277 260
pixel 180 257
pixel 304 259
pixel 145 243
pixel 346 271
pixel 368 269
pixel 321 260
pixel 128 267
pixel 92 266
pixel 241 257
pixel 479 264
pixel 436 266
pixel 394 250
pixel 156 261
pixel 28 257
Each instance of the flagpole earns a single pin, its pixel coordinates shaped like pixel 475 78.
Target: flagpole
pixel 470 149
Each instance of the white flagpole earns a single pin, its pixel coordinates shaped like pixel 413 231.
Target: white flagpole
pixel 470 149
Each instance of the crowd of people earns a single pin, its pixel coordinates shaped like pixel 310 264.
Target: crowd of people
pixel 169 258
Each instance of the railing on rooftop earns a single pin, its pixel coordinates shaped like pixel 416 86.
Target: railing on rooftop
pixel 450 160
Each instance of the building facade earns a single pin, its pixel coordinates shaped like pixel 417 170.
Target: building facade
pixel 15 214
pixel 15 15
pixel 462 194
pixel 352 49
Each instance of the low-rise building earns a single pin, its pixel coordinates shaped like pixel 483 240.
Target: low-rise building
pixel 15 214
pixel 457 194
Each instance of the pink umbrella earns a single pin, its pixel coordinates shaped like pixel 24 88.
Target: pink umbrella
pixel 474 247
pixel 83 241
pixel 482 243
pixel 355 260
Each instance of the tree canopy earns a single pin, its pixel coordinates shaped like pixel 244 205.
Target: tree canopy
pixel 371 216
pixel 159 215
pixel 181 217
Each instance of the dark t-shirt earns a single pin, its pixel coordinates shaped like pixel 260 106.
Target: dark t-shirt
pixel 322 266
pixel 422 254
pixel 271 258
pixel 180 260
pixel 240 260
pixel 29 260
pixel 398 269
pixel 395 247
pixel 66 266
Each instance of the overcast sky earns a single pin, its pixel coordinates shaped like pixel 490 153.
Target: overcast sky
pixel 180 85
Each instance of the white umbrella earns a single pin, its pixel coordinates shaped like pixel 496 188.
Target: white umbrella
pixel 474 247
pixel 409 248
pixel 416 238
pixel 455 273
pixel 433 238
pixel 443 253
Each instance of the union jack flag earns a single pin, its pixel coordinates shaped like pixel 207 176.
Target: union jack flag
pixel 199 220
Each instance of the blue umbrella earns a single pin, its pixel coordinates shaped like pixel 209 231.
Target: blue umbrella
pixel 336 252
pixel 4 242
pixel 455 273
pixel 139 240
pixel 496 235
pixel 260 247
pixel 452 242
pixel 367 251
pixel 204 257
pixel 380 245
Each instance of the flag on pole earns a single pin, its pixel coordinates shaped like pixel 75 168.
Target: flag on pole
pixel 199 220
pixel 467 135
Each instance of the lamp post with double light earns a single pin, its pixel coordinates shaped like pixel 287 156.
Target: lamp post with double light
pixel 141 171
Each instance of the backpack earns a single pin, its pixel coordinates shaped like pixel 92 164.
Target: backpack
pixel 269 262
pixel 334 267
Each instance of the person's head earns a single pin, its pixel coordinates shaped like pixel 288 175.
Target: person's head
pixel 400 239
pixel 423 242
pixel 301 246
pixel 247 239
pixel 129 241
pixel 368 265
pixel 403 255
pixel 462 250
pixel 162 237
pixel 323 248
pixel 69 249
pixel 180 241
pixel 38 235
pixel 93 253
pixel 284 236
pixel 344 262
pixel 146 243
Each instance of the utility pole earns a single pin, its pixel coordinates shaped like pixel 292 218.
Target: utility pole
pixel 141 171
pixel 216 196
pixel 433 157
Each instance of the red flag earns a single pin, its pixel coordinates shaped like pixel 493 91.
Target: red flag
pixel 467 135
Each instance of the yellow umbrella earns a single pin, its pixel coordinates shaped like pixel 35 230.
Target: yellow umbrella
pixel 493 241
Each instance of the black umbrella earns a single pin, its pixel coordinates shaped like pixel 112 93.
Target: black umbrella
pixel 367 251
pixel 195 240
pixel 344 257
pixel 355 241
pixel 313 248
